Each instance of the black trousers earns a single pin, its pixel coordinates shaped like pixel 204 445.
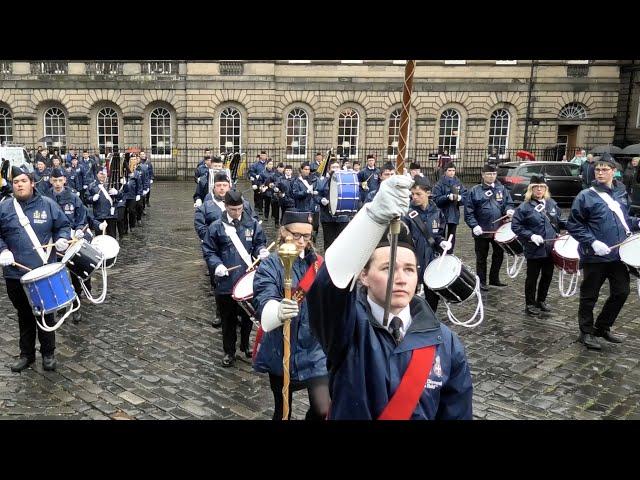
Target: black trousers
pixel 330 231
pixel 317 389
pixel 139 208
pixel 538 267
pixel 482 252
pixel 229 312
pixel 27 323
pixel 257 199
pixel 451 230
pixel 112 227
pixel 595 275
pixel 121 215
pixel 267 207
pixel 148 197
pixel 275 210
pixel 132 206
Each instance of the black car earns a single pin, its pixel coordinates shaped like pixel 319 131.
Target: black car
pixel 562 178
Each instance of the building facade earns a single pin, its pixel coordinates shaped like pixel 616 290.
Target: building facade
pixel 174 109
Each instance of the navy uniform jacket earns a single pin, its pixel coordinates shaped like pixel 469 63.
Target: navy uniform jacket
pixel 41 179
pixel 74 178
pixel 441 190
pixel 365 365
pixel 144 170
pixel 209 212
pixel 102 207
pixel 149 166
pixel 325 210
pixel 591 219
pixel 71 205
pixel 528 221
pixel 285 185
pixel 255 170
pixel 435 223
pixel 372 177
pixel 483 208
pixel 218 249
pixel 133 187
pixel 305 201
pixel 49 223
pixel 267 178
pixel 87 172
pixel 307 358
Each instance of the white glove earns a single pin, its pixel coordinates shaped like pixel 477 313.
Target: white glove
pixel 113 191
pixel 287 310
pixel 324 201
pixel 96 197
pixel 221 271
pixel 315 192
pixel 77 194
pixel 510 212
pixel 197 204
pixel 600 248
pixel 451 197
pixel 445 245
pixel 255 187
pixel 144 192
pixel 537 239
pixel 78 234
pixel 62 244
pixel 4 182
pixel 123 181
pixel 150 181
pixel 137 198
pixel 84 187
pixel 477 230
pixel 6 258
pixel 459 198
pixel 392 199
pixel 264 253
pixel 103 226
pixel 276 189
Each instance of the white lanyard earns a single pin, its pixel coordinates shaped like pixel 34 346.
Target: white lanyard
pixel 231 231
pixel 106 194
pixel 306 184
pixel 24 221
pixel 614 207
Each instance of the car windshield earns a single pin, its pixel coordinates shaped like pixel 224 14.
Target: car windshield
pixel 505 170
pixel 529 170
pixel 561 170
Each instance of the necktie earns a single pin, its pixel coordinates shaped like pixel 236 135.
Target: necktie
pixel 395 326
pixel 236 223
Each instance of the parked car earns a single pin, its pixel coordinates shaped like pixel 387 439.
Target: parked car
pixel 17 156
pixel 562 178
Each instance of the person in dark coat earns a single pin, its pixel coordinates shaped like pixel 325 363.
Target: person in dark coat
pixel 369 178
pixel 386 172
pixel 449 195
pixel 536 222
pixel 285 191
pixel 306 195
pixel 254 172
pixel 104 203
pixel 332 224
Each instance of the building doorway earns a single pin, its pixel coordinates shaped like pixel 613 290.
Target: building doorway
pixel 567 141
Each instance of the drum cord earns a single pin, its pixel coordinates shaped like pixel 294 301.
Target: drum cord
pixel 514 270
pixel 43 326
pixel 573 284
pixel 103 295
pixel 479 309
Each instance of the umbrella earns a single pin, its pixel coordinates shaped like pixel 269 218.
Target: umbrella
pixel 46 140
pixel 526 155
pixel 631 149
pixel 606 149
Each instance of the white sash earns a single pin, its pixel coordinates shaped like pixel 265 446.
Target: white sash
pixel 309 187
pixel 220 204
pixel 614 207
pixel 233 235
pixel 106 194
pixel 24 221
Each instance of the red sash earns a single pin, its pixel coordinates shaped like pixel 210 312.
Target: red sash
pixel 406 397
pixel 303 287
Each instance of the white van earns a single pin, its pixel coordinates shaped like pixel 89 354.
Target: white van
pixel 17 156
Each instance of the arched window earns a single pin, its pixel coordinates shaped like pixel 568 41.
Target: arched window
pixel 108 130
pixel 297 122
pixel 160 134
pixel 573 110
pixel 348 124
pixel 499 131
pixel 230 130
pixel 55 126
pixel 6 126
pixel 393 138
pixel 449 131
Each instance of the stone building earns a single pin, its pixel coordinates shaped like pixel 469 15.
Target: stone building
pixel 175 109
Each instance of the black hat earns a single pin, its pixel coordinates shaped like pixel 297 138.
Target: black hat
pixel 233 198
pixel 304 164
pixel 388 166
pixel 404 238
pixel 607 159
pixel 371 155
pixel 221 177
pixel 57 173
pixel 537 180
pixel 280 165
pixel 421 182
pixel 17 171
pixel 216 159
pixel 449 165
pixel 489 168
pixel 292 216
pixel 414 166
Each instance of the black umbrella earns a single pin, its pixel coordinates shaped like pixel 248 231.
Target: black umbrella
pixel 46 140
pixel 606 149
pixel 631 149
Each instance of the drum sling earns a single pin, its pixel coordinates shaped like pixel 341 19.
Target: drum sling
pixel 414 215
pixel 24 221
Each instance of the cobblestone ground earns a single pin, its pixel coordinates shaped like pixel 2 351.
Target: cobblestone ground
pixel 149 352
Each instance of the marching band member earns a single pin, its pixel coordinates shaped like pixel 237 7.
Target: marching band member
pixel 448 194
pixel 231 241
pixel 536 221
pixel 104 203
pixel 387 171
pixel 598 222
pixel 132 191
pixel 369 178
pixel 414 170
pixel 376 368
pixel 41 176
pixel 205 182
pixel 47 222
pixel 484 205
pixel 275 199
pixel 266 182
pixel 254 171
pixel 332 224
pixel 305 194
pixel 285 191
pixel 146 164
pixel 308 361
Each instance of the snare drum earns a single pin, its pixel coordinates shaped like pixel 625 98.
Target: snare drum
pixel 448 277
pixel 243 293
pixel 344 192
pixel 109 247
pixel 48 288
pixel 630 251
pixel 565 254
pixel 508 240
pixel 82 259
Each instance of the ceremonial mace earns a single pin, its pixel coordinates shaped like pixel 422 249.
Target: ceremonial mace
pixel 288 253
pixel 394 227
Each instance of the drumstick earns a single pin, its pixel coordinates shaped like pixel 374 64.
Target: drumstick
pixel 618 244
pixel 233 268
pixel 258 259
pixel 53 244
pixel 21 266
pixel 501 218
pixel 444 252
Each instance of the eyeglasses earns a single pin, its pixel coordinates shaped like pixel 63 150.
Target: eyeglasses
pixel 603 169
pixel 297 236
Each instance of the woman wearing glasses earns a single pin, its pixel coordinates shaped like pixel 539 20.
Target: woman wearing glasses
pixel 308 362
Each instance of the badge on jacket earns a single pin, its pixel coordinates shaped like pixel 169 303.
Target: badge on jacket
pixel 539 208
pixel 435 225
pixel 498 196
pixel 488 193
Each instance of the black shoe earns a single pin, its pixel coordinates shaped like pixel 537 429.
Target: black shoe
pixel 532 310
pixel 22 363
pixel 543 306
pixel 248 352
pixel 49 362
pixel 228 360
pixel 498 284
pixel 77 317
pixel 216 322
pixel 484 287
pixel 608 336
pixel 590 341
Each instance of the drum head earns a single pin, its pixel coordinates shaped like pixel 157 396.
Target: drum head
pixel 504 234
pixel 243 289
pixel 566 246
pixel 72 250
pixel 42 272
pixel 442 271
pixel 333 194
pixel 106 244
pixel 630 251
